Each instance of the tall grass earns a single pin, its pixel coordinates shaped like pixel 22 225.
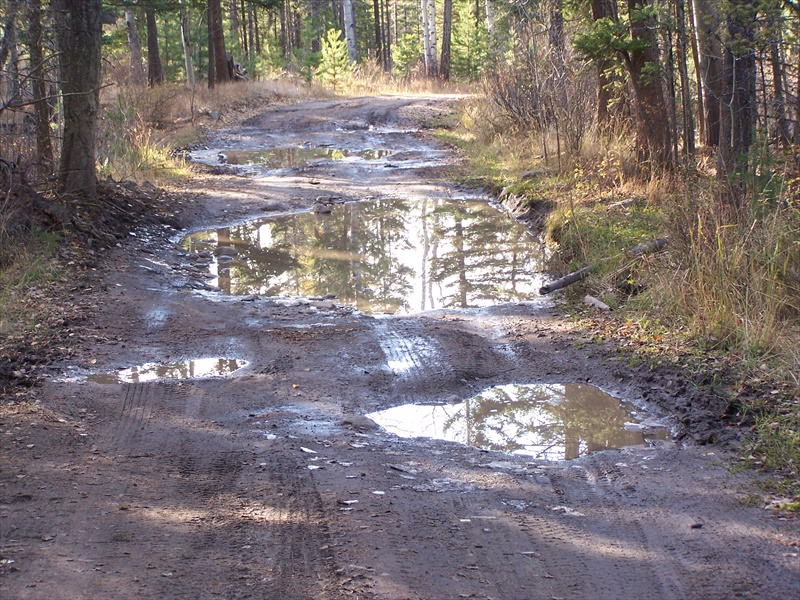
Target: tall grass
pixel 736 274
pixel 141 126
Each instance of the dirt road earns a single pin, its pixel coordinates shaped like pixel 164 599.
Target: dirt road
pixel 270 483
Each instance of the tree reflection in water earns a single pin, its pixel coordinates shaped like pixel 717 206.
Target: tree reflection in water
pixel 548 421
pixel 393 256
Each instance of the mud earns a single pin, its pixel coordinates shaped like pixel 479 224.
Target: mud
pixel 272 482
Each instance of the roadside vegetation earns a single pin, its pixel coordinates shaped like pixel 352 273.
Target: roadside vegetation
pixel 720 302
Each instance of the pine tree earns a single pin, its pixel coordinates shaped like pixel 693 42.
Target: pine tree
pixel 334 67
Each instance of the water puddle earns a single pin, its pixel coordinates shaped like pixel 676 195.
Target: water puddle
pixel 283 158
pixel 392 256
pixel 199 368
pixel 546 421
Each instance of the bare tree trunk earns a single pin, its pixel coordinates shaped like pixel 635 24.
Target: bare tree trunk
pixel 187 47
pixel 737 99
pixel 376 13
pixel 387 37
pixel 701 111
pixel 652 123
pixel 350 29
pixel 44 146
pixel 79 29
pixel 9 51
pixel 603 9
pixel 251 31
pixel 315 20
pixel 683 70
pixel 210 30
pixel 706 23
pixel 490 27
pixel 221 74
pixel 779 99
pixel 135 46
pixel 428 10
pixel 155 75
pixel 233 14
pixel 447 34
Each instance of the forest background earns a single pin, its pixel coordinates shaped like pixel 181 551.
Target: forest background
pixel 614 123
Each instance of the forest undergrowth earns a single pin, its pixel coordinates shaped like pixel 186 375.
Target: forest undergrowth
pixel 721 302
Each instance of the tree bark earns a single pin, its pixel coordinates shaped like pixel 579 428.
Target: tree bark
pixel 155 75
pixel 603 9
pixel 349 29
pixel 79 30
pixel 447 34
pixel 210 35
pixel 737 98
pixel 44 146
pixel 683 70
pixel 135 46
pixel 706 24
pixel 187 47
pixel 652 123
pixel 217 34
pixel 9 51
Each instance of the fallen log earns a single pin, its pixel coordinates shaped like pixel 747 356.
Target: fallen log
pixel 583 273
pixel 565 281
pixel 647 247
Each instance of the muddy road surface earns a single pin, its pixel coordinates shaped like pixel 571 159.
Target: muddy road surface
pixel 216 444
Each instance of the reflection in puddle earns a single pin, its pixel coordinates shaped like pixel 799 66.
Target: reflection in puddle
pixel 187 369
pixel 393 256
pixel 547 421
pixel 283 158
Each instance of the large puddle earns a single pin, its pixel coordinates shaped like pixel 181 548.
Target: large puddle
pixel 287 158
pixel 546 421
pixel 186 369
pixel 393 256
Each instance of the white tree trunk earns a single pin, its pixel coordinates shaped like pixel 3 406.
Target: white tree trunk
pixel 350 29
pixel 428 10
pixel 187 48
pixel 490 24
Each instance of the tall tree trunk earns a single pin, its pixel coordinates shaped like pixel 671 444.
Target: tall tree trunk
pixel 490 27
pixel 349 29
pixel 603 9
pixel 683 70
pixel 316 23
pixel 221 74
pixel 251 54
pixel 79 29
pixel 233 14
pixel 376 13
pixel 210 35
pixel 187 47
pixel 44 146
pixel 387 37
pixel 701 110
pixel 135 46
pixel 428 9
pixel 9 51
pixel 706 24
pixel 652 123
pixel 779 99
pixel 447 34
pixel 737 98
pixel 155 75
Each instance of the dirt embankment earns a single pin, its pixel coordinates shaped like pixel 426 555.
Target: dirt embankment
pixel 272 484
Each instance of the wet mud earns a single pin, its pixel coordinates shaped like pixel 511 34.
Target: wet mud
pixel 279 481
